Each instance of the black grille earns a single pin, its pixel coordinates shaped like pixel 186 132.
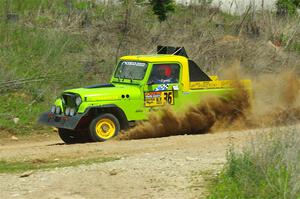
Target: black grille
pixel 69 100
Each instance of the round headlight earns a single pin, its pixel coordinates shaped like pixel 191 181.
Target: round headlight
pixel 58 110
pixel 53 108
pixel 67 111
pixel 72 111
pixel 78 101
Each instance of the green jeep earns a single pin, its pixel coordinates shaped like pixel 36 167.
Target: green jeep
pixel 140 84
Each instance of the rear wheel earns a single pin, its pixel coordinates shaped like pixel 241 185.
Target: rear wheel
pixel 72 137
pixel 104 127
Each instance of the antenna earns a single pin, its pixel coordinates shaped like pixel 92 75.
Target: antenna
pixel 161 48
pixel 177 50
pixel 152 50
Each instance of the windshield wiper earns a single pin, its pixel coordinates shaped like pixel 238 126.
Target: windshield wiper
pixel 123 78
pixel 119 70
pixel 130 77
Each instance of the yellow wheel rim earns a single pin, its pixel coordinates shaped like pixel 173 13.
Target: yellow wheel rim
pixel 105 128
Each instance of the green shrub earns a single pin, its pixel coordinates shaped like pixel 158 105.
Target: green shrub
pixel 268 169
pixel 287 7
pixel 295 46
pixel 162 8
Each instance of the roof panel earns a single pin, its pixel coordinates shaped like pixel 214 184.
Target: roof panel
pixel 155 58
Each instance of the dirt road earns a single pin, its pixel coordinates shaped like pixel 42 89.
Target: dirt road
pixel 171 167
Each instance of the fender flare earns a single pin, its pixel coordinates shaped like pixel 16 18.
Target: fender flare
pixel 93 111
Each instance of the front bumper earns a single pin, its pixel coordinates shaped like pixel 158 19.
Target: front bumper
pixel 60 121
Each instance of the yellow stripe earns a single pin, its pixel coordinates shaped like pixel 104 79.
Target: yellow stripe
pixel 218 84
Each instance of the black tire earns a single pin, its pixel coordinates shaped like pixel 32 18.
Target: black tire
pixel 69 136
pixel 111 132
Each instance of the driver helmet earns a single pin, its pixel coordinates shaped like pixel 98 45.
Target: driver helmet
pixel 166 70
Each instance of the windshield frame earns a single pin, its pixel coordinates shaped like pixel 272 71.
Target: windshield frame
pixel 118 76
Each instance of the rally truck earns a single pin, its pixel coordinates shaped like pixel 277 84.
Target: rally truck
pixel 139 85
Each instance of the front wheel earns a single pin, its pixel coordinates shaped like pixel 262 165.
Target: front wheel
pixel 104 127
pixel 69 136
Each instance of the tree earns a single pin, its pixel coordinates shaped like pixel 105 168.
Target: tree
pixel 162 7
pixel 287 7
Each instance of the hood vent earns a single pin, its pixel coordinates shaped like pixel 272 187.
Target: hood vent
pixel 100 86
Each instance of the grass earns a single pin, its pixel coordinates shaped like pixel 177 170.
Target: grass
pixel 200 179
pixel 10 110
pixel 268 169
pixel 18 166
pixel 44 58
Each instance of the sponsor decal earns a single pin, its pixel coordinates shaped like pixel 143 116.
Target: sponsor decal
pixel 162 87
pixel 158 98
pixel 131 63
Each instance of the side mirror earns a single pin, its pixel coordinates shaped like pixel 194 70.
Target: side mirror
pixel 175 88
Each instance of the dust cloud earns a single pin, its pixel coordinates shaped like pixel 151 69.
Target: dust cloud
pixel 274 100
pixel 197 119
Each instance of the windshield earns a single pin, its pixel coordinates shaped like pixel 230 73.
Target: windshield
pixel 131 70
